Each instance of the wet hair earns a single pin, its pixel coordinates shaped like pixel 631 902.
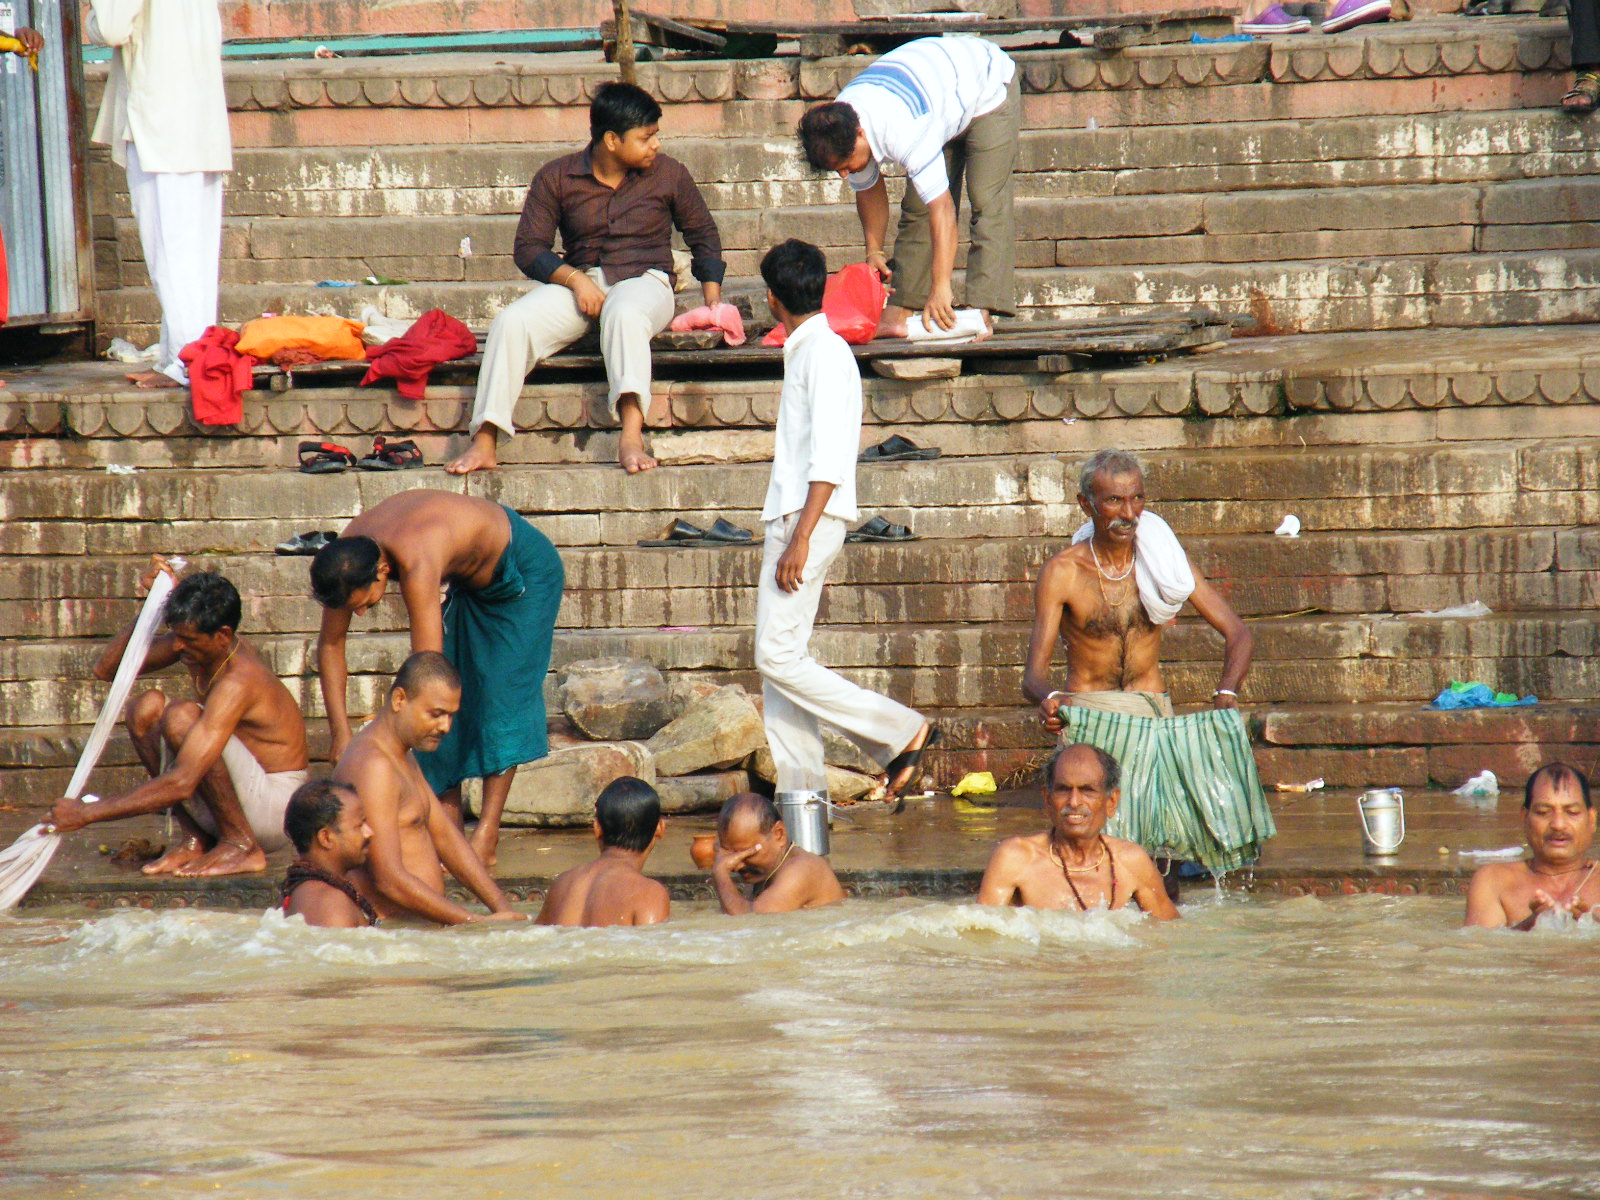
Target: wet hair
pixel 828 135
pixel 421 669
pixel 629 811
pixel 1106 462
pixel 315 806
pixel 342 567
pixel 797 274
pixel 1110 769
pixel 619 107
pixel 207 601
pixel 751 804
pixel 1554 776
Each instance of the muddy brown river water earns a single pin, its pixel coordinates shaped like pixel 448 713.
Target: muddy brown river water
pixel 1360 1047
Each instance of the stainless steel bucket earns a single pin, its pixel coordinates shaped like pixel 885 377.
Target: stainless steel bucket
pixel 1383 820
pixel 805 816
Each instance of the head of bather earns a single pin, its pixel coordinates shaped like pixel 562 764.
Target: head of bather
pixel 1111 494
pixel 627 816
pixel 424 699
pixel 796 275
pixel 749 821
pixel 1081 792
pixel 202 616
pixel 349 574
pixel 831 139
pixel 327 818
pixel 625 121
pixel 1558 816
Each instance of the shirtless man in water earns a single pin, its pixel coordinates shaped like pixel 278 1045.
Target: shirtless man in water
pixel 323 887
pixel 753 845
pixel 1087 596
pixel 613 889
pixel 495 625
pixel 224 766
pixel 413 838
pixel 1558 818
pixel 1073 865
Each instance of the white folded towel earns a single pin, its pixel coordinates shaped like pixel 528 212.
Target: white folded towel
pixel 1160 567
pixel 970 325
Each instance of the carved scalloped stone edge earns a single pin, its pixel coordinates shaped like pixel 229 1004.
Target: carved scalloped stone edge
pixel 1387 392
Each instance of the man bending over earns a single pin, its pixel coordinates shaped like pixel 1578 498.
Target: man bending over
pixel 327 825
pixel 495 625
pixel 413 838
pixel 1558 819
pixel 753 845
pixel 224 764
pixel 615 205
pixel 613 889
pixel 1073 865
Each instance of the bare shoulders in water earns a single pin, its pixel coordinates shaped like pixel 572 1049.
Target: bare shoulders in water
pixel 601 894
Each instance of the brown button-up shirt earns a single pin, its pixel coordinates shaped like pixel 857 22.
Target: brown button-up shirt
pixel 626 230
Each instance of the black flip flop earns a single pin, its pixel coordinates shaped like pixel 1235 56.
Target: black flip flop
pixel 325 458
pixel 726 533
pixel 307 543
pixel 392 456
pixel 911 759
pixel 876 529
pixel 679 533
pixel 897 449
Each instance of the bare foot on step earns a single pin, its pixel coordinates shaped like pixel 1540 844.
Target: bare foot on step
pixel 181 855
pixel 632 456
pixel 479 456
pixel 486 848
pixel 226 858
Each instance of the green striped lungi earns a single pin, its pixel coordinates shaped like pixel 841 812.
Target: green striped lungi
pixel 1189 784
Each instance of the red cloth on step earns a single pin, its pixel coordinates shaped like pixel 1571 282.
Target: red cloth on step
pixel 436 337
pixel 217 374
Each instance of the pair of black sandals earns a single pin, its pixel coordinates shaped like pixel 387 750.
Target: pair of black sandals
pixel 330 458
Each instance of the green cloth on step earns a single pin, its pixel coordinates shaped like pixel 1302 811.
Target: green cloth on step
pixel 499 639
pixel 1189 784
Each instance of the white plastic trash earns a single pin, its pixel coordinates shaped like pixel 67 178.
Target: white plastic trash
pixel 1288 527
pixel 1483 783
pixel 1460 612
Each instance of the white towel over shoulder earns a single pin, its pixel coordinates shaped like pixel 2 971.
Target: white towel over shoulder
pixel 1160 567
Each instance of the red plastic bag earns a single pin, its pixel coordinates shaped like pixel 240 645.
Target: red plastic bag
pixel 853 303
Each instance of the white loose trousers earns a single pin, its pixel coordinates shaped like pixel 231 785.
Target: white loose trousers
pixel 179 214
pixel 798 692
pixel 547 319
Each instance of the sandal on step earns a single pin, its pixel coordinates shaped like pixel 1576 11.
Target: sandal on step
pixel 908 761
pixel 876 529
pixel 325 458
pixel 725 533
pixel 392 456
pixel 307 543
pixel 679 533
pixel 1584 96
pixel 897 449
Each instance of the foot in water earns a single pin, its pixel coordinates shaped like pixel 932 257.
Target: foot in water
pixel 152 380
pixel 226 858
pixel 479 455
pixel 181 855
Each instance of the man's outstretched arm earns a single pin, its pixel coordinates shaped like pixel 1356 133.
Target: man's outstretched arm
pixel 458 857
pixel 333 676
pixel 1239 641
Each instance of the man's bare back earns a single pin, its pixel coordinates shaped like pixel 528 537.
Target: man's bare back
pixel 448 537
pixel 605 892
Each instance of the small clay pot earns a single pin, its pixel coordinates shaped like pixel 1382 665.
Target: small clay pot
pixel 704 850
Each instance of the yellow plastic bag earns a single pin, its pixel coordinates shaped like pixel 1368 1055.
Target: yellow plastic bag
pixel 976 783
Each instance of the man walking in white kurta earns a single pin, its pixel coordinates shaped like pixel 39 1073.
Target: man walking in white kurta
pixel 165 117
pixel 810 500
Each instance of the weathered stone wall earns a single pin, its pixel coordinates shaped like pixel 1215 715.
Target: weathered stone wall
pixel 1396 177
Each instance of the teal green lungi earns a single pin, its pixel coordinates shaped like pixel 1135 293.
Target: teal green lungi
pixel 499 639
pixel 1189 784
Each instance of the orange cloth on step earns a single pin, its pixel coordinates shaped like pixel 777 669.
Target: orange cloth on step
pixel 327 337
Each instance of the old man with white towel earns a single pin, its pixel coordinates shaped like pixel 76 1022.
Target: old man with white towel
pixel 165 117
pixel 1190 789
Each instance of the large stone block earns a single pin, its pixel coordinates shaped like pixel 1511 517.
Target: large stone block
pixel 843 786
pixel 560 789
pixel 614 699
pixel 707 792
pixel 717 732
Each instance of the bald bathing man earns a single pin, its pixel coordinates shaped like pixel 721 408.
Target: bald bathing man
pixel 1074 865
pixel 224 765
pixel 1558 819
pixel 323 887
pixel 413 839
pixel 753 846
pixel 613 889
pixel 495 625
pixel 1107 597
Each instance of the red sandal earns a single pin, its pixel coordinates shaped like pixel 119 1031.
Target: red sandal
pixel 392 456
pixel 325 458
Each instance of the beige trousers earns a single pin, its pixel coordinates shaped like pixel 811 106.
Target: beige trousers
pixel 263 797
pixel 797 692
pixel 985 156
pixel 546 319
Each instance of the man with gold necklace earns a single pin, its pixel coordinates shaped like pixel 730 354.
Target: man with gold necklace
pixel 1073 865
pixel 226 764
pixel 1560 879
pixel 1190 786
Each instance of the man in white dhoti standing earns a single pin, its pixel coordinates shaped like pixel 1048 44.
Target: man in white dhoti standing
pixel 165 118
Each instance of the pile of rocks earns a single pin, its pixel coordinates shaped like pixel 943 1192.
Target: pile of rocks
pixel 697 743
